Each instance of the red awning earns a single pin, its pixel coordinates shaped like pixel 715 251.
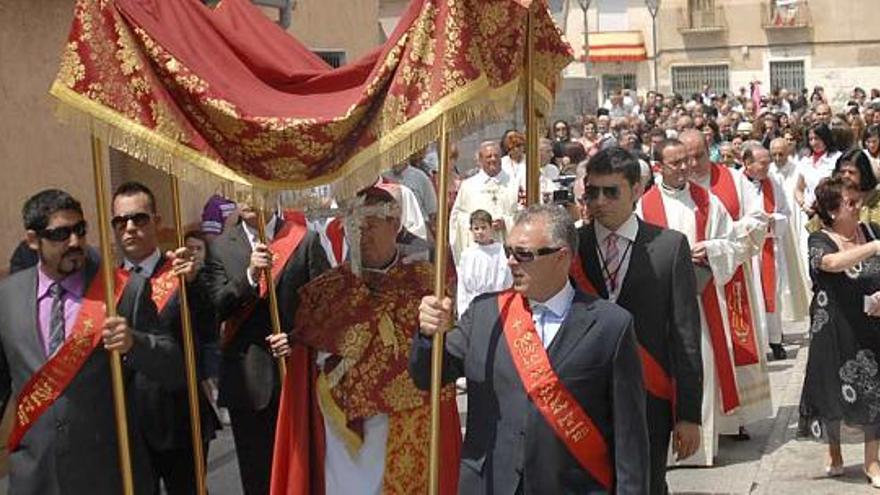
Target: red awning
pixel 617 46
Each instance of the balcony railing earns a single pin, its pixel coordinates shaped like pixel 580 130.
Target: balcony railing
pixel 786 14
pixel 701 20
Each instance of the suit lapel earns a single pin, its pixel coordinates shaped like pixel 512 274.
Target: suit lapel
pixel 590 258
pixel 576 324
pixel 638 262
pixel 32 348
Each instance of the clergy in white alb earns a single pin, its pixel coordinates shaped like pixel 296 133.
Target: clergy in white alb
pixel 491 189
pixel 744 306
pixel 768 264
pixel 483 267
pixel 676 204
pixel 794 299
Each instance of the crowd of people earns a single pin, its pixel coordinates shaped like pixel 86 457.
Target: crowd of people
pixel 615 329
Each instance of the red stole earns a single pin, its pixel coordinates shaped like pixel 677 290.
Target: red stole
pixel 739 310
pixel 292 232
pixel 547 392
pixel 51 380
pixel 768 252
pixel 657 381
pixel 654 212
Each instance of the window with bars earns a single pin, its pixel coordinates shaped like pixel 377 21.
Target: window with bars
pixel 788 74
pixel 616 82
pixel 690 79
pixel 334 58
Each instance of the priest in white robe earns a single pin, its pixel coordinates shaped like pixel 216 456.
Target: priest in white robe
pixel 745 307
pixel 794 299
pixel 491 189
pixel 676 204
pixel 768 264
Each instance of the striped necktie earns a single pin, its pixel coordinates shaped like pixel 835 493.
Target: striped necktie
pixel 56 320
pixel 612 263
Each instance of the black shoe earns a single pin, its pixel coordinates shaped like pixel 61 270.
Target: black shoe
pixel 778 352
pixel 743 435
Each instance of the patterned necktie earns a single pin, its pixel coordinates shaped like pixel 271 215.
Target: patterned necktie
pixel 56 320
pixel 612 264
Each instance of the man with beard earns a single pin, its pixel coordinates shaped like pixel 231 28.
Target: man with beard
pixel 54 343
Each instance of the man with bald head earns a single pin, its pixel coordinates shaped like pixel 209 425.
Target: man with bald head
pixel 768 266
pixel 492 190
pixel 793 298
pixel 822 113
pixel 744 309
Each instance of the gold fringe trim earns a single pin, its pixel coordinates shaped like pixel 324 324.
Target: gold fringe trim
pixel 335 417
pixel 467 109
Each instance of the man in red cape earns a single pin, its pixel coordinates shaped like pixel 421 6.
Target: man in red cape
pixel 351 420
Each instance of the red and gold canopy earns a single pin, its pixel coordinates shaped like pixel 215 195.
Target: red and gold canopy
pixel 184 87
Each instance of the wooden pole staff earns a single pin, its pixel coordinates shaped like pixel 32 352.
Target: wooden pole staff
pixel 189 353
pixel 107 271
pixel 270 283
pixel 440 250
pixel 530 117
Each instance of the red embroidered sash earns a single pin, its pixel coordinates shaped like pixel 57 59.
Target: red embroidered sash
pixel 567 418
pixel 654 212
pixel 739 309
pixel 768 252
pixel 292 232
pixel 50 381
pixel 164 284
pixel 657 381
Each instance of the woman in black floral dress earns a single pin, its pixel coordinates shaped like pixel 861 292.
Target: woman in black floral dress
pixel 842 382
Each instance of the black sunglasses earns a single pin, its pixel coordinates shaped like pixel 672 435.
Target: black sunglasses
pixel 591 193
pixel 59 234
pixel 524 255
pixel 139 219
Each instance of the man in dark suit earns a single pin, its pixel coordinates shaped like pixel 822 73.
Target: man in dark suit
pixel 648 271
pixel 249 382
pixel 71 447
pixel 574 424
pixel 163 413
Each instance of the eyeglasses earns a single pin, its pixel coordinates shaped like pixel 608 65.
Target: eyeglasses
pixel 59 234
pixel 524 255
pixel 139 219
pixel 591 193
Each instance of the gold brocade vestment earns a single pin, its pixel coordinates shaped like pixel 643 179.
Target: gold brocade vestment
pixel 366 323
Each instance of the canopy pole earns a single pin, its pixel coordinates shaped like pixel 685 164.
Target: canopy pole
pixel 107 271
pixel 270 283
pixel 189 353
pixel 440 257
pixel 530 117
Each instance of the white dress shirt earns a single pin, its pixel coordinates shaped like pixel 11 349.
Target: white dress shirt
pixel 626 235
pixel 147 266
pixel 549 315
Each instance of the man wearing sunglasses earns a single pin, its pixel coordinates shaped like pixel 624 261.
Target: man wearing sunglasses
pixel 647 270
pixel 70 445
pixel 164 412
pixel 556 401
